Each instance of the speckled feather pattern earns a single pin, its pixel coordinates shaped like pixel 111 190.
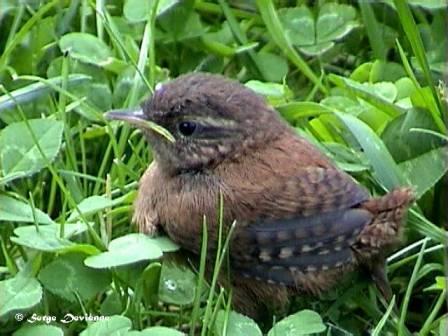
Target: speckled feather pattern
pixel 301 222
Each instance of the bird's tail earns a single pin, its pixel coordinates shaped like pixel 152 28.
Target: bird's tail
pixel 382 233
pixel 388 215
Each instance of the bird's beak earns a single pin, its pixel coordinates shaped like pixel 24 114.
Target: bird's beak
pixel 136 117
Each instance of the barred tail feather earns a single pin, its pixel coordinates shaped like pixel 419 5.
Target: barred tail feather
pixel 382 233
pixel 388 215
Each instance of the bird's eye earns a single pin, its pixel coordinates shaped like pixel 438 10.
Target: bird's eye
pixel 187 128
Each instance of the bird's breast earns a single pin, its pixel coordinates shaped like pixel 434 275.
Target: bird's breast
pixel 181 204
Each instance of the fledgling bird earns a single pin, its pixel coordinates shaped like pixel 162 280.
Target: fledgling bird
pixel 301 223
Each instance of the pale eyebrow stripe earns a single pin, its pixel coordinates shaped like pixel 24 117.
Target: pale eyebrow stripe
pixel 213 122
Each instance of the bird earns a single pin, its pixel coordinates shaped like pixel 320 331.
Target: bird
pixel 300 223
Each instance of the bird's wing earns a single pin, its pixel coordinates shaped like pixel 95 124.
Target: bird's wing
pixel 311 226
pixel 313 190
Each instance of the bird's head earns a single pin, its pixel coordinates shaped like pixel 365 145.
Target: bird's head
pixel 211 118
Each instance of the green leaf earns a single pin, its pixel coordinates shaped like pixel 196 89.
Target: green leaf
pixel 299 25
pixel 281 39
pixel 123 86
pixel 427 4
pixel 98 98
pixel 384 90
pixel 305 322
pixel 81 248
pixel 384 167
pixel 138 11
pixel 67 275
pixel 90 206
pixel 86 48
pixel 440 283
pixel 147 286
pixel 296 110
pixel 274 93
pixel 39 330
pixel 48 237
pixel 190 28
pixel 273 66
pixel 34 91
pixel 386 72
pixel 346 158
pixel 405 88
pixel 404 144
pixel 112 326
pixel 111 305
pixel 345 104
pixel 19 293
pixel 426 170
pixel 20 154
pixel 237 324
pixel 435 43
pixel 312 37
pixel 362 73
pixel 177 285
pixel 126 250
pixel 14 210
pixel 165 244
pixel 378 98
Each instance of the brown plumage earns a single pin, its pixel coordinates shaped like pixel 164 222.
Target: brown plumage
pixel 300 222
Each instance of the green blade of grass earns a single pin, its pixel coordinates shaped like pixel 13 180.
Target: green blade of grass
pixel 201 274
pixel 146 55
pixel 117 39
pixel 240 36
pixel 379 327
pixel 60 183
pixel 221 255
pixel 373 30
pixel 415 40
pixel 99 22
pixel 24 30
pixel 384 166
pixel 441 300
pixel 407 297
pixel 431 106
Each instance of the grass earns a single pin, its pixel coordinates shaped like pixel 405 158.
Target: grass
pixel 365 87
